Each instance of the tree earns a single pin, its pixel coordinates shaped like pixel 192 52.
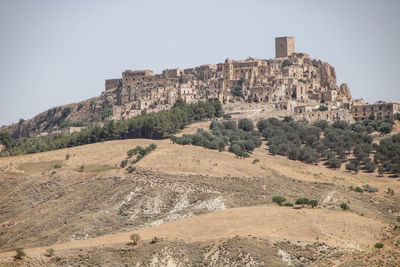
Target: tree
pixel 313 203
pixel 334 162
pixel 302 201
pixel 385 128
pixel 378 246
pixel 350 166
pixel 370 166
pixel 246 125
pixel 278 200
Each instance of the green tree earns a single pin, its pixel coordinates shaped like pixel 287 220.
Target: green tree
pixel 246 125
pixel 302 201
pixel 313 203
pixel 379 246
pixel 278 200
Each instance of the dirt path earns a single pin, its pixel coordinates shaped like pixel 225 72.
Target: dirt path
pixel 343 229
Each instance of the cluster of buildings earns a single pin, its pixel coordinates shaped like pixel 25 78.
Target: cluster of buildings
pixel 291 81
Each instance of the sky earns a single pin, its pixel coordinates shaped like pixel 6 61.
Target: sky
pixel 56 52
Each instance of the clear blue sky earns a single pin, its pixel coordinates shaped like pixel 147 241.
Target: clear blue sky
pixel 57 52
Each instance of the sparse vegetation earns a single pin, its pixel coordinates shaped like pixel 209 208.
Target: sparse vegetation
pixel 344 206
pixel 255 161
pixel 81 168
pixel 390 191
pixel 67 156
pixel 20 253
pixel 155 240
pixel 135 238
pixel 57 166
pixel 50 252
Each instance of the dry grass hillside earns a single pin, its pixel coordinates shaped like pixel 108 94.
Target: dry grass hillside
pixel 207 208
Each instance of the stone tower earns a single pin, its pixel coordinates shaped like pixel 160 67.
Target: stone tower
pixel 284 46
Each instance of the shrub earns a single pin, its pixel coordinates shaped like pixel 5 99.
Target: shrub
pixel 322 108
pixel 255 161
pixel 155 240
pixel 288 204
pixel 344 206
pixel 370 189
pixel 57 166
pixel 378 246
pixel 20 254
pixel 390 191
pixel 67 156
pixel 227 116
pixel 81 168
pixel 135 238
pixel 50 252
pixel 278 200
pixel 107 112
pixel 130 169
pixel 313 203
pixel 358 189
pixel 124 163
pixel 286 63
pixel 237 91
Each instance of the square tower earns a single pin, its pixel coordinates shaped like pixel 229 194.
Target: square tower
pixel 284 46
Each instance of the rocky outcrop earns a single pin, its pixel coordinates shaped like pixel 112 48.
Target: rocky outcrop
pixel 344 90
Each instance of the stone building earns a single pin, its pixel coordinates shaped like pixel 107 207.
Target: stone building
pixel 284 46
pixel 379 110
pixel 289 80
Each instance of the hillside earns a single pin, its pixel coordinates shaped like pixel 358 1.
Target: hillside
pixel 208 207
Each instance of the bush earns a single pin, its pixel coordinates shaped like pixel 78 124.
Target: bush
pixel 237 91
pixel 50 252
pixel 378 246
pixel 385 128
pixel 344 206
pixel 135 238
pixel 278 200
pixel 107 112
pixel 67 156
pixel 130 169
pixel 370 189
pixel 124 163
pixel 255 161
pixel 288 204
pixel 358 189
pixel 322 108
pixel 20 254
pixel 227 116
pixel 155 240
pixel 81 168
pixel 57 166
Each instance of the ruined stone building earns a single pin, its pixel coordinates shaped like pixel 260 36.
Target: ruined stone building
pixel 379 111
pixel 288 80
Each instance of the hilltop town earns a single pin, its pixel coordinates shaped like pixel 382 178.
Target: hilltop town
pixel 291 84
